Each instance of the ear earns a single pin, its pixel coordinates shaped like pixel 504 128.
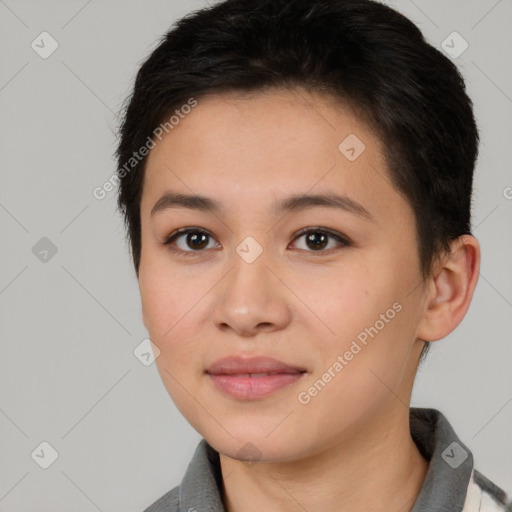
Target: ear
pixel 451 289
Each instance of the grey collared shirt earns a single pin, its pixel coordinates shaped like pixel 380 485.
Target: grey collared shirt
pixel 451 484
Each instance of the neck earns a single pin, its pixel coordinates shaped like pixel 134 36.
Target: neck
pixel 377 468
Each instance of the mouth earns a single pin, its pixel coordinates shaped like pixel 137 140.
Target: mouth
pixel 252 378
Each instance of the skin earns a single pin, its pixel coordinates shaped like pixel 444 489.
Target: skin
pixel 349 447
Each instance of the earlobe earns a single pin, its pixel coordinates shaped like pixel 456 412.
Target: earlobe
pixel 451 289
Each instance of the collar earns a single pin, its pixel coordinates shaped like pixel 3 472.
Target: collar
pixel 444 489
pixel 450 462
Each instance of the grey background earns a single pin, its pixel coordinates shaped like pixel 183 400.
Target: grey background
pixel 69 326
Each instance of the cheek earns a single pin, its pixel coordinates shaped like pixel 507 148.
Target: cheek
pixel 171 303
pixel 163 297
pixel 365 309
pixel 167 304
pixel 344 299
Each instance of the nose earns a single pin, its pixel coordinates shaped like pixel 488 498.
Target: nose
pixel 252 298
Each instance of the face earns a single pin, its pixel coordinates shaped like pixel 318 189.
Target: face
pixel 328 286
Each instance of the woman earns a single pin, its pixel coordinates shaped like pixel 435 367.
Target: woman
pixel 296 181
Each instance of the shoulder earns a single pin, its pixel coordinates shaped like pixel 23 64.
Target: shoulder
pixel 169 502
pixel 485 496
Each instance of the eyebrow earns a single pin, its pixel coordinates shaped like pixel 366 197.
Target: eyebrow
pixel 290 204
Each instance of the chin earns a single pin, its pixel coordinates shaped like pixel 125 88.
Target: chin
pixel 259 447
pixel 254 452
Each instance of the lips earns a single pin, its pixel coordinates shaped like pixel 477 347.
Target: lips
pixel 253 366
pixel 252 378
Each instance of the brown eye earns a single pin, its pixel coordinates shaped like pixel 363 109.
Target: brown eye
pixel 196 240
pixel 188 240
pixel 192 241
pixel 316 240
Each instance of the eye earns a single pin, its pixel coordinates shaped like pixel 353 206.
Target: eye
pixel 196 239
pixel 317 239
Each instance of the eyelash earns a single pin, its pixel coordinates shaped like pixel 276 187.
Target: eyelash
pixel 343 240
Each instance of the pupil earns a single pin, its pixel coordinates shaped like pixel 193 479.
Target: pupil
pixel 194 237
pixel 318 239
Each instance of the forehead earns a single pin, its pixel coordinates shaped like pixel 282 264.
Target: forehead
pixel 286 124
pixel 243 148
